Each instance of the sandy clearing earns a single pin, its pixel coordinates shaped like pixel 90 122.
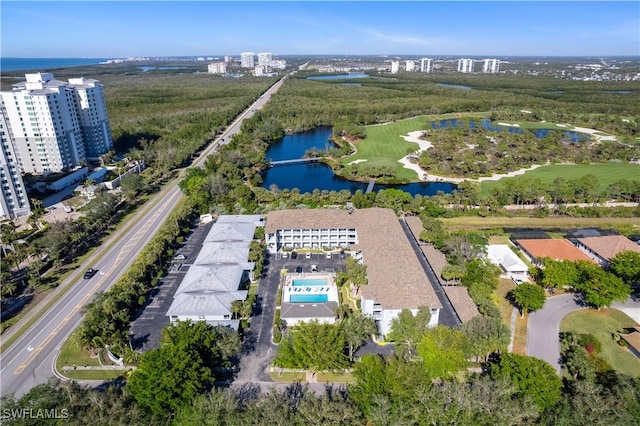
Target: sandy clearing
pixel 415 137
pixel 356 162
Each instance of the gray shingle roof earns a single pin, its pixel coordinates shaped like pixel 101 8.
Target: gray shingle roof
pixel 204 303
pixel 308 310
pixel 216 278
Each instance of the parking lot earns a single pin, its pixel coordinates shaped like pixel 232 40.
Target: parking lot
pixel 146 329
pixel 333 262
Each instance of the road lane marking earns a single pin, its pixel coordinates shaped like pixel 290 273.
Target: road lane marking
pixel 120 258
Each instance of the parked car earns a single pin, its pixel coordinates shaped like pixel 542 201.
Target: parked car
pixel 314 268
pixel 294 255
pixel 179 257
pixel 90 273
pixel 285 255
pixel 328 256
pixel 299 269
pixel 307 256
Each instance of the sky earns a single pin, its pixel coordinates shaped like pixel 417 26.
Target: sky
pixel 210 28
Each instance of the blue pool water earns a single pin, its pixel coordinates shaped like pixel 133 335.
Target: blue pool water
pixel 309 283
pixel 298 298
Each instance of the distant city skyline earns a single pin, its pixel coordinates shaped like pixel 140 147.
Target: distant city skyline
pixel 167 28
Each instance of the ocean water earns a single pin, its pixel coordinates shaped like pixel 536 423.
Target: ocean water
pixel 44 64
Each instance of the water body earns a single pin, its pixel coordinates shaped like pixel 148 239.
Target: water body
pixel 485 123
pixel 295 145
pixel 454 86
pixel 337 77
pixel 307 177
pixel 43 64
pixel 151 68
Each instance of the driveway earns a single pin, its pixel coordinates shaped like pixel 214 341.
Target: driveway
pixel 543 330
pixel 258 351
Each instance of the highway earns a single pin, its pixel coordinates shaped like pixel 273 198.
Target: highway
pixel 29 361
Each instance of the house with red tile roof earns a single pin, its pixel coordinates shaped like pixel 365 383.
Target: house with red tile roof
pixel 555 249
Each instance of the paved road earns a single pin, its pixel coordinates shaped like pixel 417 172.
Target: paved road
pixel 543 329
pixel 29 360
pixel 448 315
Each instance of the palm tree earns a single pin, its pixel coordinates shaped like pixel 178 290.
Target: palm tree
pixel 7 235
pixel 342 312
pixel 96 343
pixel 236 308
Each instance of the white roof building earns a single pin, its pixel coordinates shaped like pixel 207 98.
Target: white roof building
pixel 220 232
pixel 212 307
pixel 212 283
pixel 216 278
pixel 224 252
pixel 502 256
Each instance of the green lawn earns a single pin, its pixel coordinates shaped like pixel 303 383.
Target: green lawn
pixel 72 353
pixel 93 374
pixel 384 145
pixel 607 173
pixel 602 324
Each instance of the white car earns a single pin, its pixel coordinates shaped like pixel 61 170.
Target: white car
pixel 307 256
pixel 314 268
pixel 328 256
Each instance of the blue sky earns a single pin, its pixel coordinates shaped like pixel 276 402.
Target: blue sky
pixel 208 28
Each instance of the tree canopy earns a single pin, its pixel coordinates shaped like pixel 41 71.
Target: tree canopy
pixel 529 297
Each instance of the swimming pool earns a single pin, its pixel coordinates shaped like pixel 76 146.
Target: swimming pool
pixel 309 283
pixel 298 298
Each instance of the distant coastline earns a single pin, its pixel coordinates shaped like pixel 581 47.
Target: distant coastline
pixel 45 64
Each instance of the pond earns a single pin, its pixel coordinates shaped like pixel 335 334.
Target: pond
pixel 152 68
pixel 486 124
pixel 310 176
pixel 338 76
pixel 454 86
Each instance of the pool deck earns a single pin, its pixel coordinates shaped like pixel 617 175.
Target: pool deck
pixel 329 288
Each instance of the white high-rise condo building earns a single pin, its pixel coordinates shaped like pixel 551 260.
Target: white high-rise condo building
pixel 491 66
pixel 395 67
pixel 278 64
pixel 14 201
pixel 56 125
pixel 92 114
pixel 410 66
pixel 217 68
pixel 264 59
pixel 246 60
pixel 465 65
pixel 426 65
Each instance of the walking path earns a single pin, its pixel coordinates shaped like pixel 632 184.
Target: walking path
pixel 415 137
pixel 512 327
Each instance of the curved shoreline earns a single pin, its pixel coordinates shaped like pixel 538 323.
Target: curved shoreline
pixel 424 176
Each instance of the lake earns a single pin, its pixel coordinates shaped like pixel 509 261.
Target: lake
pixel 454 86
pixel 485 123
pixel 307 177
pixel 338 76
